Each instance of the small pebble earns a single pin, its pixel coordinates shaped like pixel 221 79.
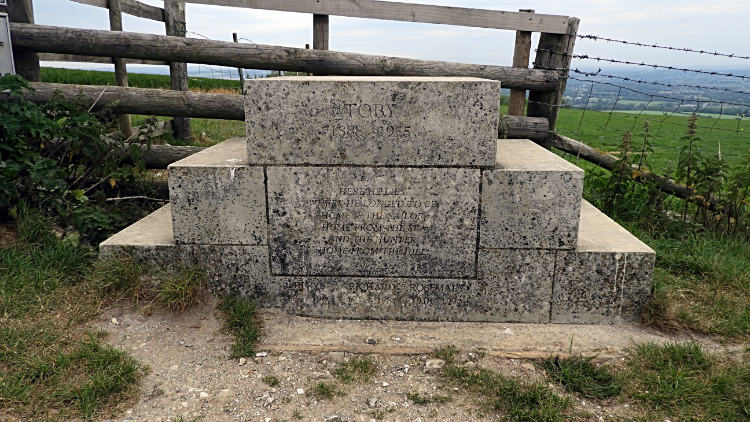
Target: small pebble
pixel 115 321
pixel 371 341
pixel 204 395
pixel 261 354
pixel 242 361
pixel 385 384
pixel 300 391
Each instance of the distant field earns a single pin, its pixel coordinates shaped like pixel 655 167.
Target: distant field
pixel 137 80
pixel 598 130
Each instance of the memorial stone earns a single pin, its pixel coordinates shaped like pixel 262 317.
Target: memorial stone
pixel 363 197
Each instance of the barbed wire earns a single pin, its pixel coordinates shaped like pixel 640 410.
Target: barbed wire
pixel 638 44
pixel 644 64
pixel 641 81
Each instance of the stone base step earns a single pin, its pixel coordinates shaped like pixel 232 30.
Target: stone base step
pixel 605 280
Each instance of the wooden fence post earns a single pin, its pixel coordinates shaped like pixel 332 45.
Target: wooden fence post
pixel 517 100
pixel 239 69
pixel 121 72
pixel 174 20
pixel 320 32
pixel 26 61
pixel 554 52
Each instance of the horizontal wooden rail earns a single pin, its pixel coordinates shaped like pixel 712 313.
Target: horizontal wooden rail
pixel 581 150
pixel 157 102
pixel 161 102
pixel 407 12
pixel 131 7
pixel 51 39
pixel 51 57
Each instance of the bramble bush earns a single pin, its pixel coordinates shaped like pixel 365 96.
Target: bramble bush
pixel 54 157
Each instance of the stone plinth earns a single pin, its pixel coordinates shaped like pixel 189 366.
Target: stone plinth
pixel 217 198
pixel 372 121
pixel 531 200
pixel 511 285
pixel 392 198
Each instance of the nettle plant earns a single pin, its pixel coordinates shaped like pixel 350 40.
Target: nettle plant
pixel 55 157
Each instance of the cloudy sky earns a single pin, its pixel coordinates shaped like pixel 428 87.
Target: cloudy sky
pixel 720 26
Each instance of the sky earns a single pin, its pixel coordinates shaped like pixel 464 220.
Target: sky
pixel 697 24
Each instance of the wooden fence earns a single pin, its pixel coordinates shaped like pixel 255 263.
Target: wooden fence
pixel 558 34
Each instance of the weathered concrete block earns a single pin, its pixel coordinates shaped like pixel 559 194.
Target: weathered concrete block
pixel 607 279
pixel 149 241
pixel 230 268
pixel 217 199
pixel 519 283
pixel 531 200
pixel 355 221
pixel 376 121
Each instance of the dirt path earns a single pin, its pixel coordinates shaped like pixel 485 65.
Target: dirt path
pixel 191 374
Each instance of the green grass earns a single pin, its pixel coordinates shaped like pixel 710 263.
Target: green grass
pixel 356 369
pixel 179 293
pixel 579 375
pixel 136 80
pixel 515 400
pixel 674 381
pixel 270 381
pixel 50 369
pixel 242 321
pixel 326 391
pixel 594 124
pixel 701 283
pixel 684 382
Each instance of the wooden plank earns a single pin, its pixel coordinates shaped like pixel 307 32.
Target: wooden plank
pixel 176 26
pixel 131 7
pixel 121 72
pixel 407 12
pixel 51 57
pixel 26 60
pixel 51 39
pixel 553 52
pixel 521 53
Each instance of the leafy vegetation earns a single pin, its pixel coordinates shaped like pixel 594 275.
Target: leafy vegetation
pixel 53 157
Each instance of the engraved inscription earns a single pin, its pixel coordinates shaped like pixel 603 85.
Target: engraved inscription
pixel 410 294
pixel 360 121
pixel 373 221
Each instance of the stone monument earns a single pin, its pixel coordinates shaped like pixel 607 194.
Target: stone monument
pixel 392 198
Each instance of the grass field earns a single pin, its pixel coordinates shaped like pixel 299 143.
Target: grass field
pixel 603 132
pixel 136 80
